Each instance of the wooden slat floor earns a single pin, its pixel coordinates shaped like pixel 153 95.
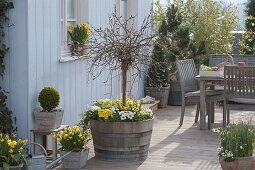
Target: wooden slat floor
pixel 173 147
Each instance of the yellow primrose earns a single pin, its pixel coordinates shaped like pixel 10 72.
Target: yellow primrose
pixel 12 144
pixel 11 151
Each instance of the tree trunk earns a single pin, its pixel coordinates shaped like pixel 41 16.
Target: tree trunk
pixel 124 85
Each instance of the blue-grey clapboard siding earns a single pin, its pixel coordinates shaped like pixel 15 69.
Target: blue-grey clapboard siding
pixel 34 61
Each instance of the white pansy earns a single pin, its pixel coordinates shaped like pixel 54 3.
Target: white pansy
pixel 94 108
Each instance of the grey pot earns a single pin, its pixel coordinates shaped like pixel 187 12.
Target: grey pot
pixel 75 160
pixel 48 120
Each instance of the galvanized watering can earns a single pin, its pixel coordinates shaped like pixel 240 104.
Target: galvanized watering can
pixel 38 162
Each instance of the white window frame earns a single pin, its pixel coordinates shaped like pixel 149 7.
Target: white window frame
pixel 66 54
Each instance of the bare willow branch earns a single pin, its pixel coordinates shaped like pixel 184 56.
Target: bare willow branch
pixel 121 46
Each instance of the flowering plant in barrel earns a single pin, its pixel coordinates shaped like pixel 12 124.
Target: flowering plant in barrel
pixel 114 111
pixel 121 128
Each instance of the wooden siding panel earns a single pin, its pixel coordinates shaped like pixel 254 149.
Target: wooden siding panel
pixel 71 79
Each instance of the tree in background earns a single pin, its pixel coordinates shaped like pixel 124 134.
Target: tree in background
pixel 173 43
pixel 248 43
pixel 209 23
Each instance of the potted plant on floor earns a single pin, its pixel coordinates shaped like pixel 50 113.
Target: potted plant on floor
pixel 121 129
pixel 120 132
pixel 236 147
pixel 79 36
pixel 12 155
pixel 174 43
pixel 75 140
pixel 49 117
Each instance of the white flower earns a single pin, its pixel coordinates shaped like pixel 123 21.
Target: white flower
pixel 113 109
pixel 94 108
pixel 122 117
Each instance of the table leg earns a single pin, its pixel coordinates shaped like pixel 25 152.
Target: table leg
pixel 212 109
pixel 54 148
pixel 202 106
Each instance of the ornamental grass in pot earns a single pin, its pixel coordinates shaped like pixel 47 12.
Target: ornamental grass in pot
pixel 236 147
pixel 12 154
pixel 120 132
pixel 49 117
pixel 75 140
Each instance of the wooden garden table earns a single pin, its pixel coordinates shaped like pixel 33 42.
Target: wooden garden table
pixel 203 83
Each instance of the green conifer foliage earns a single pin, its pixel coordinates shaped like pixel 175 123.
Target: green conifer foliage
pixel 248 44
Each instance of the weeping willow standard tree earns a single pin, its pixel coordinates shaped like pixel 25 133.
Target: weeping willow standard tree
pixel 121 47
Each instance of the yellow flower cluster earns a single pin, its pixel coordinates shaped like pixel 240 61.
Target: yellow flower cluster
pixel 85 27
pixel 130 105
pixel 72 138
pixel 104 113
pixel 10 146
pixel 105 103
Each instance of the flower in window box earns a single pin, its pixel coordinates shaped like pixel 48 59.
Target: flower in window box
pixel 79 37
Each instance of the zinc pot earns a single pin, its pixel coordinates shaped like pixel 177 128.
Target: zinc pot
pixel 48 120
pixel 159 93
pixel 121 141
pixel 75 160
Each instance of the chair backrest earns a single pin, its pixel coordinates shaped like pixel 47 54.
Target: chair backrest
pixel 187 72
pixel 239 82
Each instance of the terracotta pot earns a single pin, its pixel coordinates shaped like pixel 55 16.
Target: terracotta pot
pixel 240 163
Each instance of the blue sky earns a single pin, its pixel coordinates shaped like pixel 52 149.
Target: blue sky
pixel 240 4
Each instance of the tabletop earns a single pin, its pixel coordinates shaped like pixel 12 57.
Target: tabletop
pixel 198 77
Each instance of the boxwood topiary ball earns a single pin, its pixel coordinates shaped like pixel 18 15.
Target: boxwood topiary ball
pixel 49 98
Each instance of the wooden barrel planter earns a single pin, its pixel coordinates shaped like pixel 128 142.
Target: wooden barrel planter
pixel 121 141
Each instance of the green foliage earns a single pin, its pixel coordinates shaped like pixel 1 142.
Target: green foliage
pixel 5 5
pixel 248 43
pixel 6 124
pixel 237 140
pixel 49 98
pixel 6 116
pixel 173 43
pixel 210 24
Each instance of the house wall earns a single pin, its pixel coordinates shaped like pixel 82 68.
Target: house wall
pixel 34 61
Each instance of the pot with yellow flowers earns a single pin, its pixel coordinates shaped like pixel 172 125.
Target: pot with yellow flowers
pixel 75 140
pixel 79 36
pixel 12 155
pixel 120 132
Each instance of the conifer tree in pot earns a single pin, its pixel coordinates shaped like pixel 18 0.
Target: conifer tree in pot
pixel 49 117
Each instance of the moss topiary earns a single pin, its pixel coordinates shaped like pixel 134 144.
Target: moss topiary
pixel 49 98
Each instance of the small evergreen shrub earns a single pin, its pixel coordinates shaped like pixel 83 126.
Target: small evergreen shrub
pixel 49 99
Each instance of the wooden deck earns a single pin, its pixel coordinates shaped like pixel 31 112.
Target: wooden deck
pixel 174 148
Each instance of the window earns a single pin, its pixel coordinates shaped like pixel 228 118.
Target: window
pixel 72 12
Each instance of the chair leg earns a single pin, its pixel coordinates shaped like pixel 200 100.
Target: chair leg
pixel 197 112
pixel 228 116
pixel 182 111
pixel 224 113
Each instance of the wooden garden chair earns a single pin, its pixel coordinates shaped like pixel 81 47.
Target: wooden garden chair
pixel 190 92
pixel 239 90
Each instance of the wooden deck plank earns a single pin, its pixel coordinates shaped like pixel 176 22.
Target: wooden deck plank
pixel 173 147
